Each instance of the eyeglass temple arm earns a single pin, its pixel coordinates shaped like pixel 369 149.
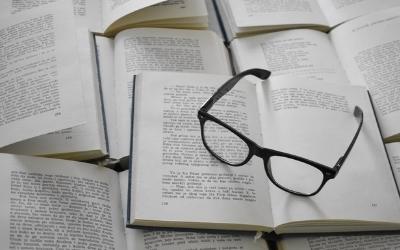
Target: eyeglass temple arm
pixel 358 113
pixel 228 85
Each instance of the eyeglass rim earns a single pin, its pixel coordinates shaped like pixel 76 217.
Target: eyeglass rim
pixel 327 172
pixel 254 149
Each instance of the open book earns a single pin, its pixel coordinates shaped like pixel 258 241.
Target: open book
pixel 241 17
pixel 359 52
pixel 107 97
pixel 172 172
pixel 40 90
pixel 109 16
pixel 57 204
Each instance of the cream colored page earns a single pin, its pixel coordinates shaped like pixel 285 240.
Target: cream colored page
pixel 87 12
pixel 339 11
pixel 65 204
pixel 40 85
pixel 350 242
pixel 315 121
pixel 148 49
pixel 87 137
pixel 369 49
pixel 250 13
pixel 393 150
pixel 174 173
pixel 137 239
pixel 112 10
pixel 302 52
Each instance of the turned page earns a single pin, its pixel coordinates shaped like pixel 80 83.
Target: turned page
pixel 369 49
pixel 137 239
pixel 172 171
pixel 40 85
pixel 151 49
pixel 339 11
pixel 113 10
pixel 58 204
pixel 249 13
pixel 302 52
pixel 316 121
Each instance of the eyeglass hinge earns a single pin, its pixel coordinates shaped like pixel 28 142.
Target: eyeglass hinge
pixel 339 164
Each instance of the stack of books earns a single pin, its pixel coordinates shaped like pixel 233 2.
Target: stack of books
pixel 121 82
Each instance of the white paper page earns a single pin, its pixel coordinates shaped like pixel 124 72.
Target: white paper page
pixel 40 83
pixel 115 9
pixel 169 240
pixel 393 150
pixel 87 137
pixel 249 13
pixel 351 242
pixel 147 49
pixel 174 173
pixel 339 11
pixel 315 121
pixel 369 49
pixel 59 204
pixel 302 52
pixel 87 12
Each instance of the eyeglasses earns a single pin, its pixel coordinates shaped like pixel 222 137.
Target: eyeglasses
pixel 291 173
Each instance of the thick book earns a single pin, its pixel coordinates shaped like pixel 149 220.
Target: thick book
pixel 58 204
pixel 107 67
pixel 40 91
pixel 109 17
pixel 176 182
pixel 242 17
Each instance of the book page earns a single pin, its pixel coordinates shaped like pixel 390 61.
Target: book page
pixel 315 121
pixel 302 52
pixel 350 242
pixel 87 12
pixel 81 142
pixel 250 13
pixel 339 11
pixel 369 52
pixel 40 86
pixel 112 10
pixel 137 239
pixel 150 49
pixel 393 150
pixel 172 170
pixel 59 204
